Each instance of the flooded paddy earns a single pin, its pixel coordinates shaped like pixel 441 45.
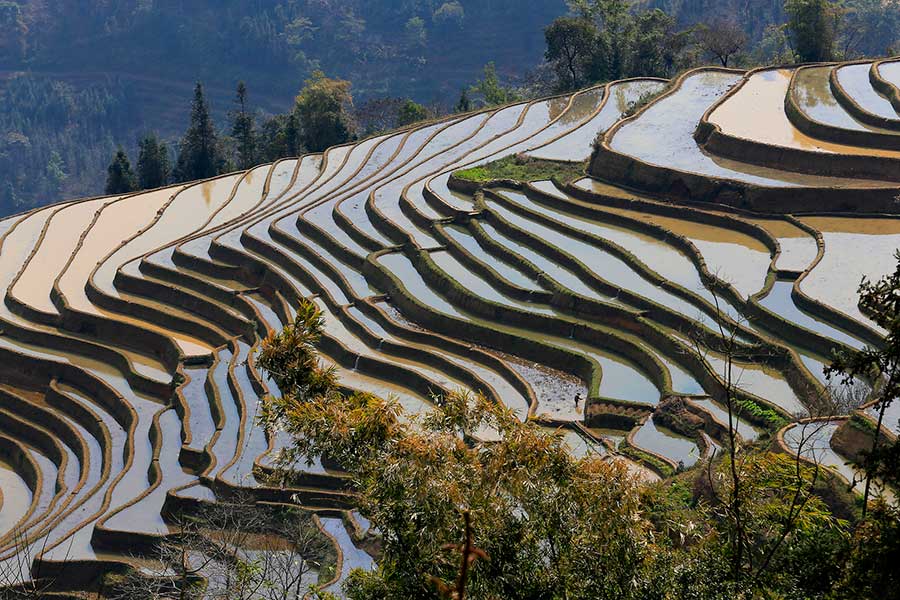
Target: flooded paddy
pixel 674 119
pixel 798 247
pixel 855 81
pixel 576 145
pixel 813 442
pixel 720 413
pixel 757 112
pixel 479 286
pixel 812 92
pixel 663 442
pixel 660 256
pixel 16 498
pixel 619 380
pixel 854 248
pixel 60 237
pixel 603 264
pixel 201 423
pixel 499 382
pixel 890 71
pixel 731 256
pixel 447 309
pixel 506 270
pixel 117 223
pixel 780 302
pixel 560 274
pixel 761 381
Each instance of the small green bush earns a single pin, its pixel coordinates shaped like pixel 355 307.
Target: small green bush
pixel 772 419
pixel 859 422
pixel 664 468
pixel 523 168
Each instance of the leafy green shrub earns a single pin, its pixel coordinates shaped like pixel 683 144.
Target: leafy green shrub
pixel 859 422
pixel 772 419
pixel 644 99
pixel 523 168
pixel 664 468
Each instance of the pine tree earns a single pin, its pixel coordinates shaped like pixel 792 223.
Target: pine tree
pixel 9 204
pixel 242 130
pixel 120 178
pixel 199 156
pixel 464 104
pixel 292 135
pixel 278 138
pixel 153 163
pixel 56 169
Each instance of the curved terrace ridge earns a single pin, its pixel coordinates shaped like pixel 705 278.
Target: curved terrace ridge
pixel 578 259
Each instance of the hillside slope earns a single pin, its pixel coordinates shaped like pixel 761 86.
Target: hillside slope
pixel 597 303
pixel 64 91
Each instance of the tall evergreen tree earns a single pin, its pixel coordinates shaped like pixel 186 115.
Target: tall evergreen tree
pixel 243 130
pixel 490 91
pixel 464 104
pixel 199 155
pixel 56 169
pixel 278 138
pixel 292 135
pixel 153 163
pixel 120 178
pixel 8 201
pixel 615 23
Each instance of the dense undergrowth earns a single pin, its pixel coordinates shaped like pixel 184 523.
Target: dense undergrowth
pixel 537 522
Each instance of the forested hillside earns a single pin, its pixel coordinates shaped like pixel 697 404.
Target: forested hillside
pixel 867 27
pixel 81 76
pixel 754 15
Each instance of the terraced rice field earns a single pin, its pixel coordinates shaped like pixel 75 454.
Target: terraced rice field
pixel 130 325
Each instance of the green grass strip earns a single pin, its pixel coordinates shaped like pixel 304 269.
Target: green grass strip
pixel 772 419
pixel 522 168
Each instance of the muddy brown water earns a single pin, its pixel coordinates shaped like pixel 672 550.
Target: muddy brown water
pixel 116 223
pixel 854 248
pixel 812 92
pixel 60 238
pixel 855 81
pixel 731 256
pixel 756 112
pixel 664 135
pixel 576 145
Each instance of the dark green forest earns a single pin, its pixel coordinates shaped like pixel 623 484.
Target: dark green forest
pixel 80 79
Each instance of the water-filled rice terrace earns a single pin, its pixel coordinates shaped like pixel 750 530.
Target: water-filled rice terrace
pixel 749 204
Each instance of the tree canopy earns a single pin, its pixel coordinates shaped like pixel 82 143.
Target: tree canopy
pixel 411 112
pixel 322 109
pixel 470 483
pixel 199 154
pixel 243 130
pixel 569 49
pixel 153 163
pixel 813 26
pixel 120 178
